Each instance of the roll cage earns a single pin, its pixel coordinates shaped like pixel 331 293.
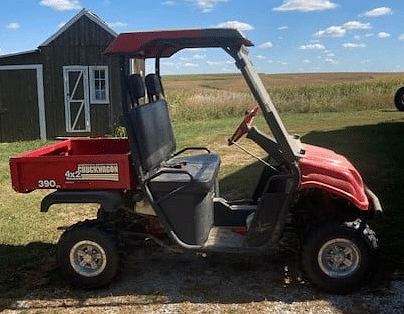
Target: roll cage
pixel 164 44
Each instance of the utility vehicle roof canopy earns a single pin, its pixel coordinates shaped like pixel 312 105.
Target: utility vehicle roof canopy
pixel 164 44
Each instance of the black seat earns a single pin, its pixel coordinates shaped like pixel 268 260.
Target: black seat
pixel 136 88
pixel 154 87
pixel 153 133
pixel 183 186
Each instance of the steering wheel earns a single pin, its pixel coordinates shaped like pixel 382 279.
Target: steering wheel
pixel 244 126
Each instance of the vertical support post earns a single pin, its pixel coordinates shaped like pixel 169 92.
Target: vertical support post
pixel 123 73
pixel 290 147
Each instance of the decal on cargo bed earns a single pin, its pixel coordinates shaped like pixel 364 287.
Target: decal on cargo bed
pixel 94 172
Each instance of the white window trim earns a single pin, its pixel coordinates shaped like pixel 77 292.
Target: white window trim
pixel 93 99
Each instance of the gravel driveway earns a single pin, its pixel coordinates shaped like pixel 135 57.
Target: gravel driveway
pixel 158 282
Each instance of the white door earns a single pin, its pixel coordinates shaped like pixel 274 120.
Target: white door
pixel 77 104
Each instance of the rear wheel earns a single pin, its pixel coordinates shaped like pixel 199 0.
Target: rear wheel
pixel 336 257
pixel 399 99
pixel 88 256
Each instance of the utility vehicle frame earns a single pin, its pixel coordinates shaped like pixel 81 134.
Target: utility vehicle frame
pixel 146 189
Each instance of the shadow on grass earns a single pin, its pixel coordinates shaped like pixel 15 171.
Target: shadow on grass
pixel 25 267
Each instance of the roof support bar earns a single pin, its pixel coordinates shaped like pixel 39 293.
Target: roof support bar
pixel 289 146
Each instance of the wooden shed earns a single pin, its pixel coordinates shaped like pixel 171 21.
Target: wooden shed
pixel 64 88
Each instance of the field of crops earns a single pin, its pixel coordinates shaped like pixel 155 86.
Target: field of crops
pixel 201 97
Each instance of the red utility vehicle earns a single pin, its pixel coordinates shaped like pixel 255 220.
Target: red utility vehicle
pixel 142 183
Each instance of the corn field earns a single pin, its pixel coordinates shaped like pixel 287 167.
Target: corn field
pixel 208 100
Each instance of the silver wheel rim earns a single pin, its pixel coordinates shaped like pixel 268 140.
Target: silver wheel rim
pixel 88 258
pixel 339 258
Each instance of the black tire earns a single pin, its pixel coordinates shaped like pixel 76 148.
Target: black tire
pixel 336 258
pixel 87 256
pixel 399 99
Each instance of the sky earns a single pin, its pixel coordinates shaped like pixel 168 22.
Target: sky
pixel 290 36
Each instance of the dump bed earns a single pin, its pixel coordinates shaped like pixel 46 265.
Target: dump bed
pixel 75 164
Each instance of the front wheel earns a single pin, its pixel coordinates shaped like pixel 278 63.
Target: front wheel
pixel 337 257
pixel 88 256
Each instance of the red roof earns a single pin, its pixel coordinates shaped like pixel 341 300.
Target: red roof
pixel 165 43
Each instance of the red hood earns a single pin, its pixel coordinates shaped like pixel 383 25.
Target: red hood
pixel 324 169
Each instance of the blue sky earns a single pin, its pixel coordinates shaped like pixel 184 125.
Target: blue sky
pixel 289 35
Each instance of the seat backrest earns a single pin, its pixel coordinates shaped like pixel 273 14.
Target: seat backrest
pixel 153 133
pixel 154 88
pixel 136 88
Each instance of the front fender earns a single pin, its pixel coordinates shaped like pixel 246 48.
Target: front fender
pixel 326 170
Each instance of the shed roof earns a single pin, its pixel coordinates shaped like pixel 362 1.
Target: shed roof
pixel 165 43
pixel 83 12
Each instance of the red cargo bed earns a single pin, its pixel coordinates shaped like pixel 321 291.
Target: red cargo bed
pixel 75 164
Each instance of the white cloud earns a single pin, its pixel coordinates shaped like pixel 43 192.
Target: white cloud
pixel 378 12
pixel 13 26
pixel 306 61
pixel 237 25
pixel 117 24
pixel 353 45
pixel 206 5
pixel 266 45
pixel 190 65
pixel 169 3
pixel 312 47
pixel 261 57
pixel 330 61
pixel 383 35
pixel 341 30
pixel 61 5
pixel 332 31
pixel 306 5
pixel 282 28
pixel 401 37
pixel 199 57
pixel 356 25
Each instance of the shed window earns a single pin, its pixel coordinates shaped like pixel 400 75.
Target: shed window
pixel 99 85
